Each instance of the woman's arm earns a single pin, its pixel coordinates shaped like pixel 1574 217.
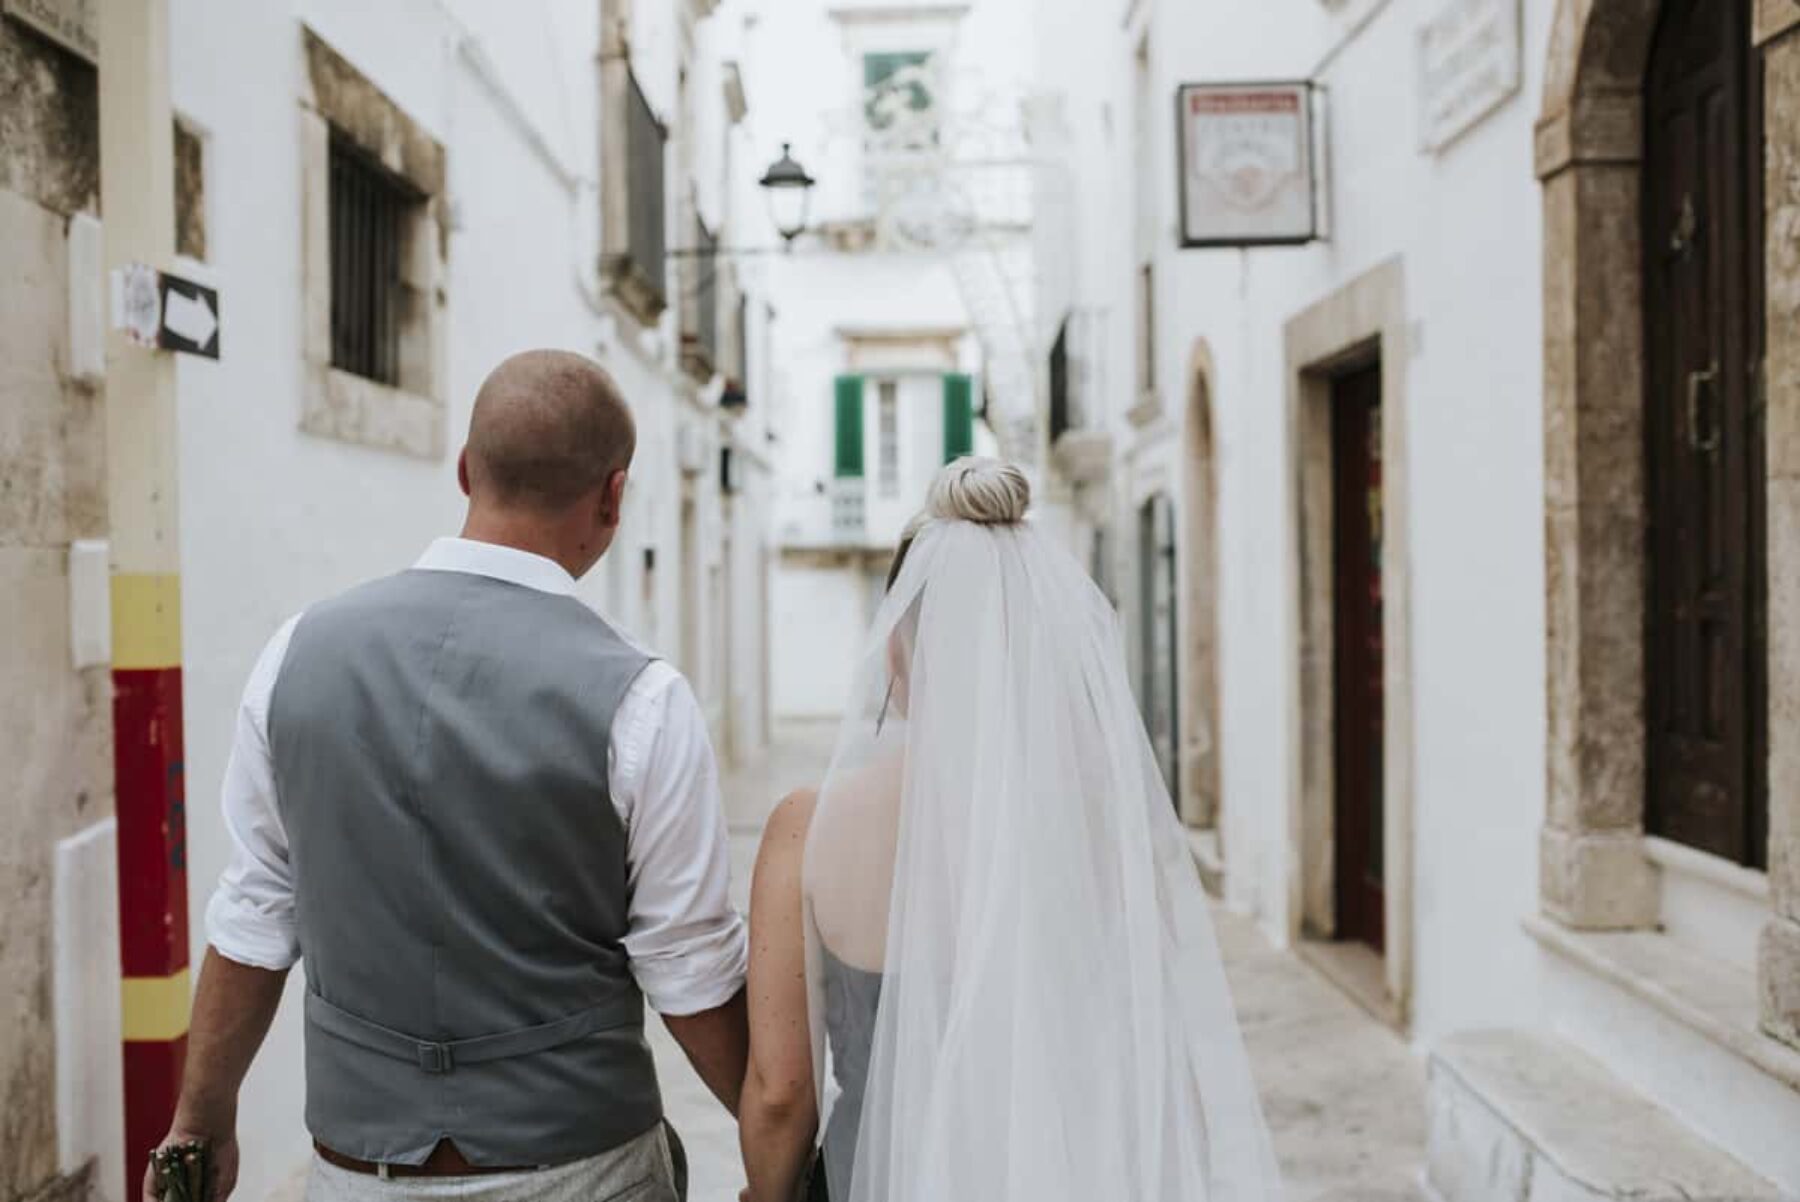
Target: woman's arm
pixel 779 1116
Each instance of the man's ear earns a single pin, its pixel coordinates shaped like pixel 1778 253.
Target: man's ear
pixel 612 499
pixel 462 471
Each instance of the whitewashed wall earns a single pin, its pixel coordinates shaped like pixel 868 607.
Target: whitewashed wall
pixel 1465 223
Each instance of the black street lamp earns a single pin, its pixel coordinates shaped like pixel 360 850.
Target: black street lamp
pixel 788 189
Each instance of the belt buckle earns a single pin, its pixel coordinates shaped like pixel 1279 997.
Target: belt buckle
pixel 436 1058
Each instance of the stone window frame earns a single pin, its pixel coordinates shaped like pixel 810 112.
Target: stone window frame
pixel 1363 321
pixel 1595 872
pixel 412 418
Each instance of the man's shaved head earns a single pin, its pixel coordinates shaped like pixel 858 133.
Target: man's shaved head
pixel 549 428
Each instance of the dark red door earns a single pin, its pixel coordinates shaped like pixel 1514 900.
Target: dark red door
pixel 1357 654
pixel 1704 643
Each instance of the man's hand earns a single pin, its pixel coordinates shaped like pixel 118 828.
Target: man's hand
pixel 222 1150
pixel 232 1010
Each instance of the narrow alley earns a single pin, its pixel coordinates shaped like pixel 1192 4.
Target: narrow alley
pixel 1416 382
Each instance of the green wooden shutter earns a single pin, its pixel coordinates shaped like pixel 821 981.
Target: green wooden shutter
pixel 959 417
pixel 849 427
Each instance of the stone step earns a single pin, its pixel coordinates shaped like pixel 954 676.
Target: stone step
pixel 1521 1117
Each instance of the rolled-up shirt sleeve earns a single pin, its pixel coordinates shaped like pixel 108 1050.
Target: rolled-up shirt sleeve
pixel 686 941
pixel 250 918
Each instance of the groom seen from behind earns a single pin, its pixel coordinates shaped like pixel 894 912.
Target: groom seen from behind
pixel 490 826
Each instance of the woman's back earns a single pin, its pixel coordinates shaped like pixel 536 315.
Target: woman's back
pixel 1009 960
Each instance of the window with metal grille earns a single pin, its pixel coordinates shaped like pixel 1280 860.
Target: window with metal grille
pixel 370 209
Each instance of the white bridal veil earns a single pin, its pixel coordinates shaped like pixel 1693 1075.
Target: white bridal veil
pixel 994 857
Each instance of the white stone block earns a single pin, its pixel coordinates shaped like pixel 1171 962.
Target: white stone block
pixel 1517 1117
pixel 90 1090
pixel 87 300
pixel 90 603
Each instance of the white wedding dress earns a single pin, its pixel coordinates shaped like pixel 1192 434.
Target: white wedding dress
pixel 1016 995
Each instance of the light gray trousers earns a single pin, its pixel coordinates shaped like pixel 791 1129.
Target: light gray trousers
pixel 640 1171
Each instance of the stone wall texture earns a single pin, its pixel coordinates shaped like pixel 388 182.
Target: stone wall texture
pixel 1780 960
pixel 55 723
pixel 50 123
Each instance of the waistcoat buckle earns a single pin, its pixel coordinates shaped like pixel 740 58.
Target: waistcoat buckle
pixel 437 1058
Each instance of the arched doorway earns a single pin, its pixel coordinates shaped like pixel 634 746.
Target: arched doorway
pixel 1200 591
pixel 1650 153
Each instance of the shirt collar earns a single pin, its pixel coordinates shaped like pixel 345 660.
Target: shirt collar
pixel 500 563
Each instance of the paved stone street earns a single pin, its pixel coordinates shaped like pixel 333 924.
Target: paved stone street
pixel 1344 1095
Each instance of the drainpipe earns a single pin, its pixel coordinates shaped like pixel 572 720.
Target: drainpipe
pixel 137 203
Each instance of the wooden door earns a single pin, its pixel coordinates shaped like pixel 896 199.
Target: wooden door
pixel 1156 533
pixel 1704 629
pixel 1358 723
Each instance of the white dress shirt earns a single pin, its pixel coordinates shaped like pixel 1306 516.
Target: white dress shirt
pixel 685 940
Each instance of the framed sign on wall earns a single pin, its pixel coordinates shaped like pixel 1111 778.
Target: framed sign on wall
pixel 1249 176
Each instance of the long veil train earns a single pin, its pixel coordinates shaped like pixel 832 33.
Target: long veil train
pixel 994 850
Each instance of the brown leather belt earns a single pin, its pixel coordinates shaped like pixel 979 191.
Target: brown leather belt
pixel 445 1161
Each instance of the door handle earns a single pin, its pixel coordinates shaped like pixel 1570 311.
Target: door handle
pixel 1697 381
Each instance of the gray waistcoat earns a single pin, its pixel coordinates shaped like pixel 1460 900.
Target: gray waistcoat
pixel 440 751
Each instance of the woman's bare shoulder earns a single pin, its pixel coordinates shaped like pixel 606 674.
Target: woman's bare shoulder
pixel 793 814
pixel 784 835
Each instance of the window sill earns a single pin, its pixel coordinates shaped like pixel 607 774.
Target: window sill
pixel 348 408
pixel 696 361
pixel 1147 410
pixel 1715 1000
pixel 640 299
pixel 1085 456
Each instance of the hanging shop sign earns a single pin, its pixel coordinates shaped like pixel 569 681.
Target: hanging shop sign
pixel 1471 61
pixel 1249 175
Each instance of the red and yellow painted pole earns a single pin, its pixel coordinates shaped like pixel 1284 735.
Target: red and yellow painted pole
pixel 137 205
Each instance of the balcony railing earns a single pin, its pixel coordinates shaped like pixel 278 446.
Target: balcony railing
pixel 849 511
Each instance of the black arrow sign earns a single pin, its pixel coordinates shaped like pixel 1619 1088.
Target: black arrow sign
pixel 190 317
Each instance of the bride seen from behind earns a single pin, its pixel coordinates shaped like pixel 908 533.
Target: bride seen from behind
pixel 980 949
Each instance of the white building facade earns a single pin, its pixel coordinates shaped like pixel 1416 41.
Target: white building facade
pixel 903 311
pixel 389 200
pixel 1449 542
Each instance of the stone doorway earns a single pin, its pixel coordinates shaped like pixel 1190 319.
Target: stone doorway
pixel 1330 351
pixel 1200 772
pixel 1596 873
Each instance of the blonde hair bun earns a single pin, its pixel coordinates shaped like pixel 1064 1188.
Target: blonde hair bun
pixel 986 491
